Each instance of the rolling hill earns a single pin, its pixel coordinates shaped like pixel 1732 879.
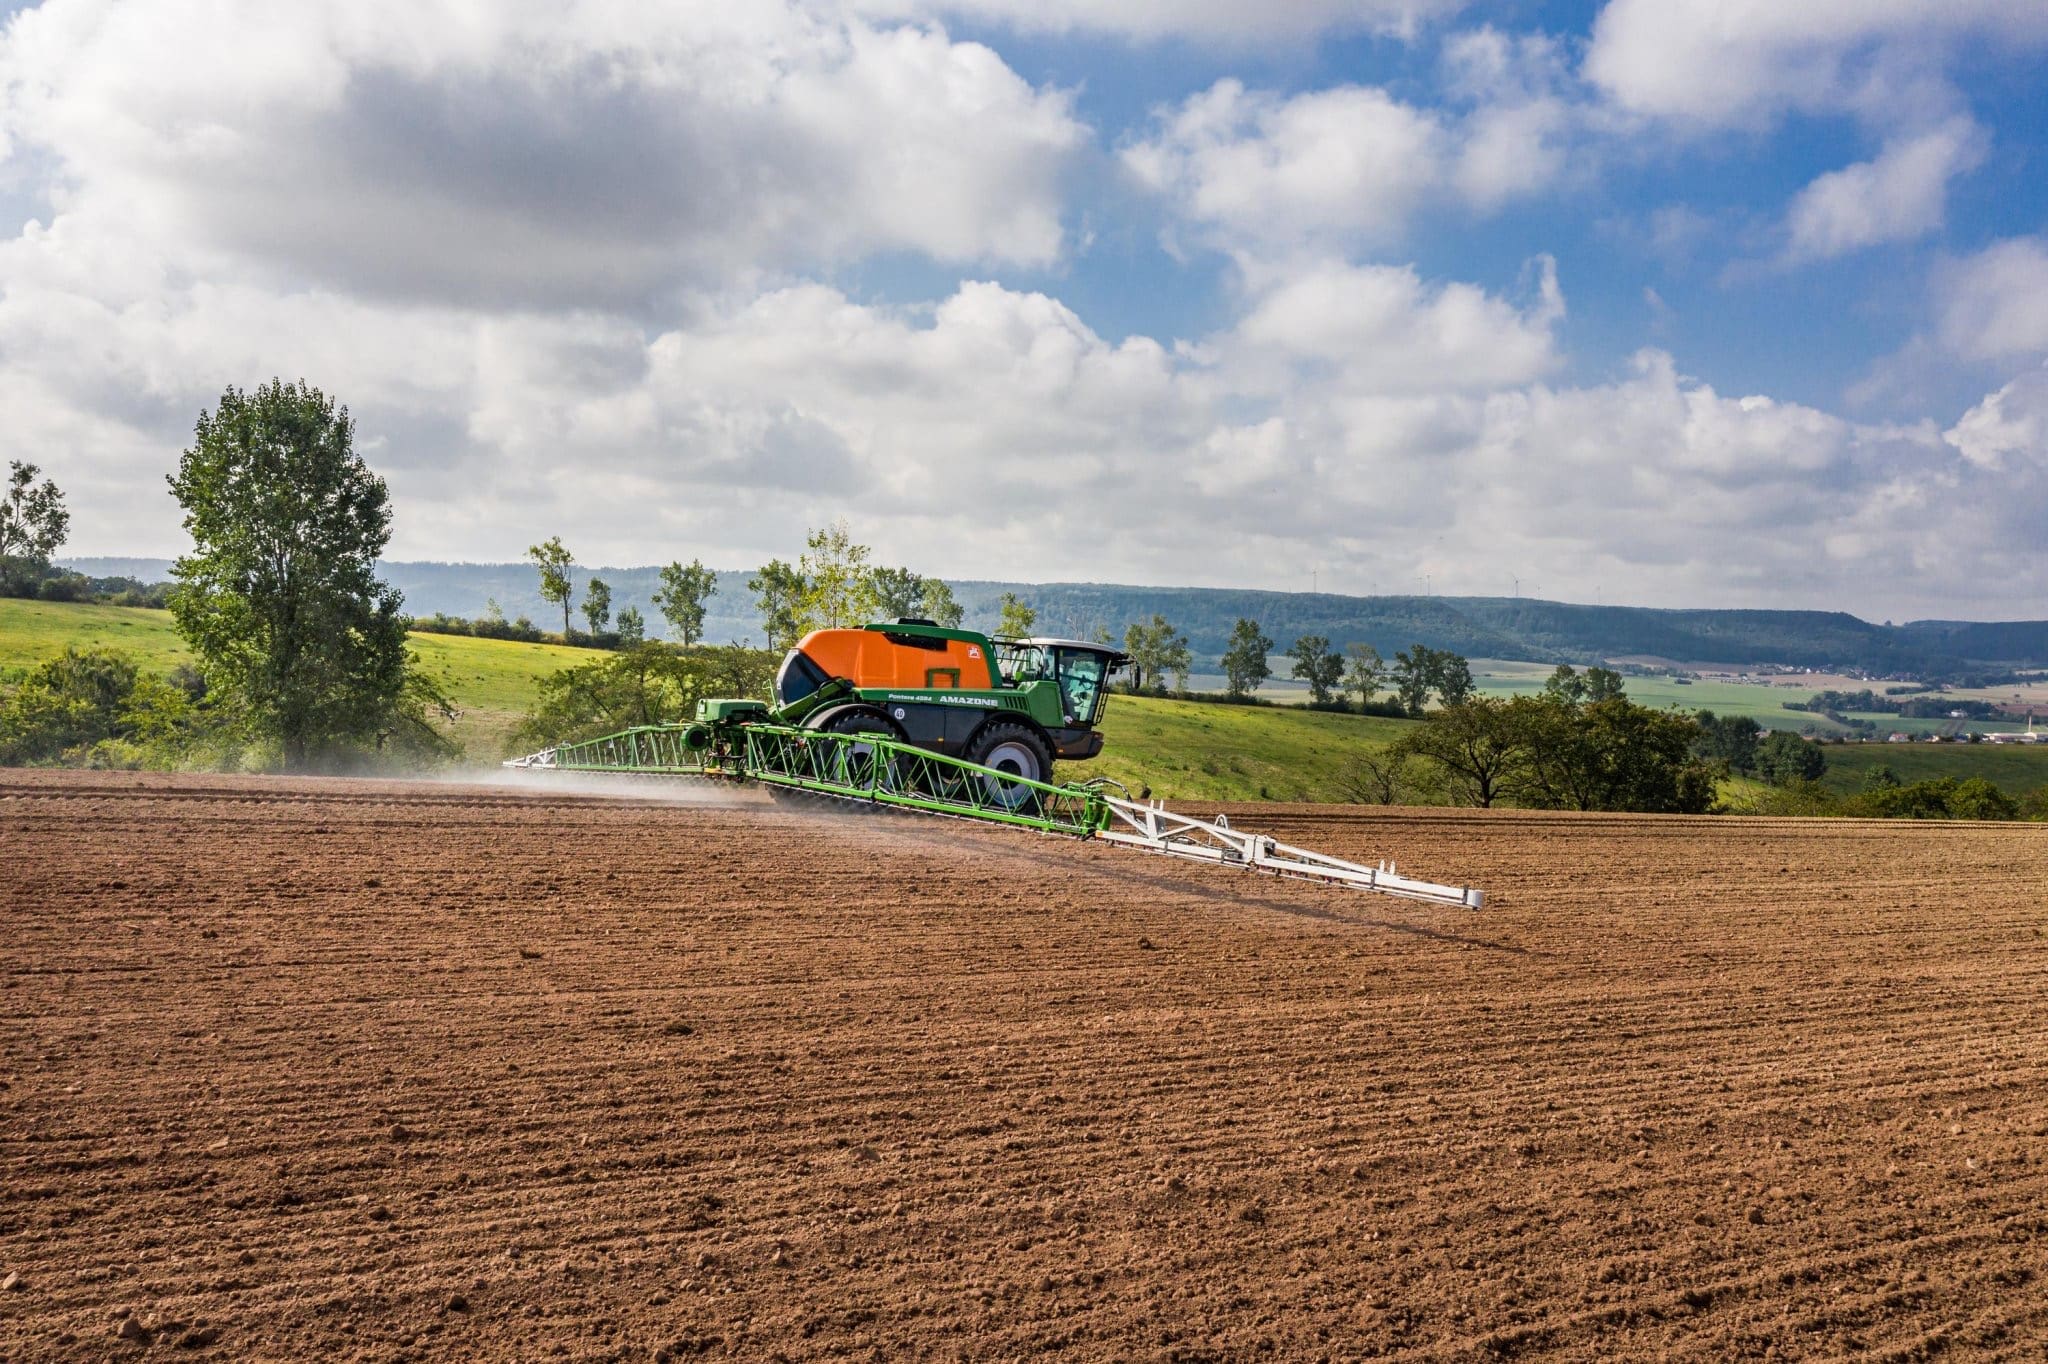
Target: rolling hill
pixel 1478 627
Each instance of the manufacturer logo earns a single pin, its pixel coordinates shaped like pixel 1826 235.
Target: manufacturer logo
pixel 986 701
pixel 974 651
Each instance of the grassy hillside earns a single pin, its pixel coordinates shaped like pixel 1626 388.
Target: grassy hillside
pixel 1186 750
pixel 31 631
pixel 492 681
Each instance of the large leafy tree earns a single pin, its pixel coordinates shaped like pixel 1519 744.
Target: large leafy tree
pixel 838 587
pixel 938 605
pixel 1018 617
pixel 1477 748
pixel 1157 649
pixel 899 592
pixel 279 597
pixel 1366 675
pixel 1783 758
pixel 1411 677
pixel 597 604
pixel 33 523
pixel 778 590
pixel 684 590
pixel 1610 754
pixel 554 563
pixel 1317 664
pixel 1244 662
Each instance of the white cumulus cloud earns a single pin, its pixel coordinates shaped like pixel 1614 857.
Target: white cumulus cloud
pixel 1746 63
pixel 534 153
pixel 2011 424
pixel 1900 195
pixel 1349 167
pixel 1994 304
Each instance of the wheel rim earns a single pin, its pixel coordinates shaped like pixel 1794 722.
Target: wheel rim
pixel 1016 759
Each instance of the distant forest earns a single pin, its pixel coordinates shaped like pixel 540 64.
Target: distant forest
pixel 1477 627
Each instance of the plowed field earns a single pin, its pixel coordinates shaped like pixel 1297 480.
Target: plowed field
pixel 346 1071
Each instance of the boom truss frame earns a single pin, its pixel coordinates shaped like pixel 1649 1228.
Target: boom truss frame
pixel 880 770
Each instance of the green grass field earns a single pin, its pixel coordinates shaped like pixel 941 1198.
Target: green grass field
pixel 2014 767
pixel 1762 703
pixel 492 681
pixel 1188 750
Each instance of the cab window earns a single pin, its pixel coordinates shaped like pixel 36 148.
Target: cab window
pixel 797 678
pixel 1080 674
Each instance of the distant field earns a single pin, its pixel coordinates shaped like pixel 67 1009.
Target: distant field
pixel 492 681
pixel 2015 768
pixel 1763 702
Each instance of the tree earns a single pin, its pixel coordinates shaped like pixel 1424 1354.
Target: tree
pixel 554 564
pixel 937 605
pixel 1413 673
pixel 1156 649
pixel 279 597
pixel 1783 757
pixel 632 627
pixel 1603 684
pixel 1609 754
pixel 1244 663
pixel 33 523
pixel 1451 677
pixel 1477 747
pixel 1017 618
pixel 680 598
pixel 67 703
pixel 1571 686
pixel 778 589
pixel 898 593
pixel 1367 672
pixel 1174 657
pixel 901 593
pixel 1317 664
pixel 1731 739
pixel 838 586
pixel 1381 776
pixel 597 604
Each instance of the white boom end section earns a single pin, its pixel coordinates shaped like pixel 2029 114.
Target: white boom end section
pixel 1157 829
pixel 544 758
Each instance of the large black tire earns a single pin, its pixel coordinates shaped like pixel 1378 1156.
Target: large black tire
pixel 860 762
pixel 1017 750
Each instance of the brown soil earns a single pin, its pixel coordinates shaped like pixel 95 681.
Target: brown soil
pixel 344 1071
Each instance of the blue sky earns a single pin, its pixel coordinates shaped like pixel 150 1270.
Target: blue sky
pixel 1673 301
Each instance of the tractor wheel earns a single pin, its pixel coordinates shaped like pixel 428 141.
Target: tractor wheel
pixel 1018 752
pixel 860 764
